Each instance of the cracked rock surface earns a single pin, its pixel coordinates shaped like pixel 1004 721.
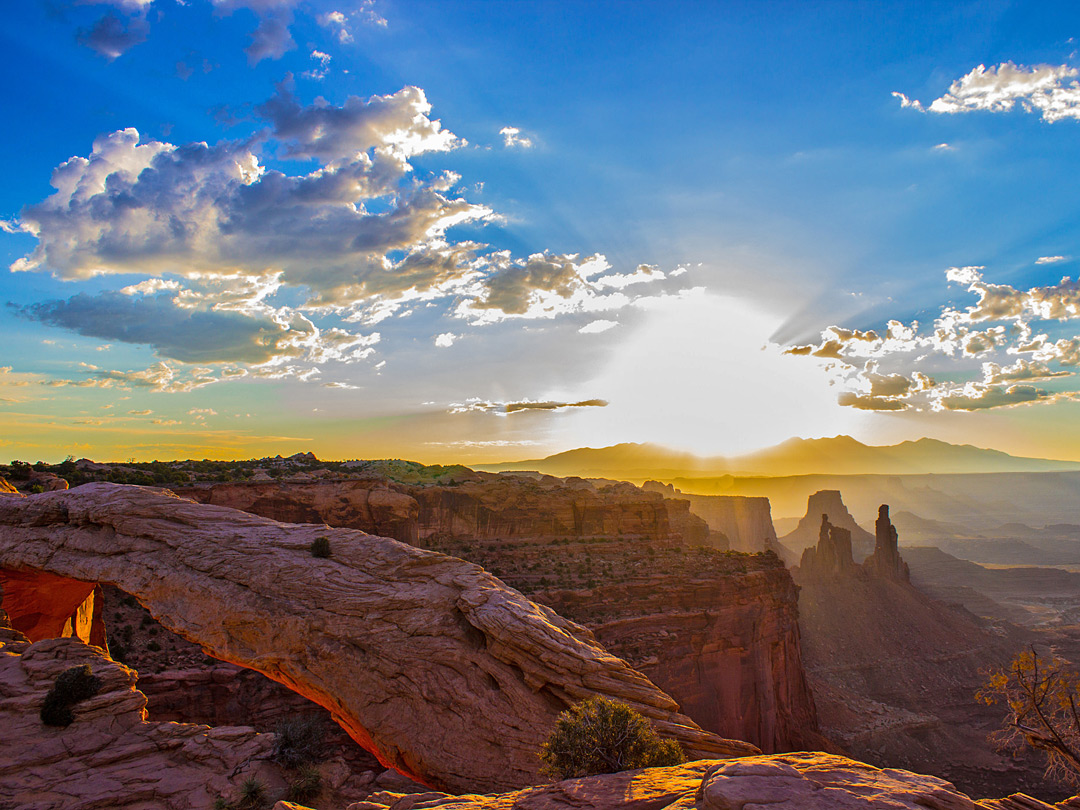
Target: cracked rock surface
pixel 437 667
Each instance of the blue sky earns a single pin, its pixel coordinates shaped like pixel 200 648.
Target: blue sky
pixel 704 190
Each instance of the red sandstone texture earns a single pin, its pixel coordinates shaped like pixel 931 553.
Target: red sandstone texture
pixel 717 632
pixel 480 506
pixel 428 661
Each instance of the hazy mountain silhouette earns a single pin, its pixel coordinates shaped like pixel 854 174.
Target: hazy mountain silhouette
pixel 841 455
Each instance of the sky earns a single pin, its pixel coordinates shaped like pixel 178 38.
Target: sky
pixel 480 231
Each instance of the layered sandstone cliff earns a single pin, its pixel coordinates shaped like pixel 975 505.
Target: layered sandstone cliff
pixel 426 660
pixel 474 505
pixel 745 522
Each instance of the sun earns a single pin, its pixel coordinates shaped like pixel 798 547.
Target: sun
pixel 701 375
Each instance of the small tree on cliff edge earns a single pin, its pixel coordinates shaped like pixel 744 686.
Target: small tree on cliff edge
pixel 604 736
pixel 1043 700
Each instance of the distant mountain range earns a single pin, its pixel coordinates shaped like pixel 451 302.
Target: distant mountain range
pixel 841 455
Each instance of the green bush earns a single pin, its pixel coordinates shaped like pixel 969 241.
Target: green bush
pixel 71 686
pixel 306 786
pixel 320 547
pixel 252 794
pixel 299 740
pixel 604 736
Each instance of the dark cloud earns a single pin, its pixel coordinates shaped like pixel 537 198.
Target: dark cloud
pixel 112 34
pixel 523 405
pixel 270 39
pixel 979 397
pixel 870 403
pixel 514 407
pixel 187 335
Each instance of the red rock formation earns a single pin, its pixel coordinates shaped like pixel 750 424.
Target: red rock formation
pixel 484 506
pixel 724 643
pixel 373 634
pixel 72 608
pixel 744 522
pixel 829 503
pixel 722 636
pixel 832 555
pixel 886 561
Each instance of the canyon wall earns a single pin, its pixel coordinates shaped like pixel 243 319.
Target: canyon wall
pixel 480 505
pixel 719 632
pixel 722 639
pixel 744 522
pixel 371 634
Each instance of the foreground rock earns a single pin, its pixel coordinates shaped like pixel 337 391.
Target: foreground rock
pixel 781 782
pixel 434 665
pixel 109 757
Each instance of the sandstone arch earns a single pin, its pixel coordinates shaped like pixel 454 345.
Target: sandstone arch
pixel 428 661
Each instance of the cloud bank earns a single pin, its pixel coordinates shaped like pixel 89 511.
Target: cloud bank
pixel 1050 91
pixel 991 352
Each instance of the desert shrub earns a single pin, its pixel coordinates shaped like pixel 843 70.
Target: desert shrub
pixel 118 652
pixel 306 785
pixel 320 547
pixel 299 740
pixel 252 795
pixel 153 646
pixel 71 686
pixel 600 735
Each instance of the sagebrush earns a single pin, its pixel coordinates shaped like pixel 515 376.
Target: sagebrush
pixel 600 735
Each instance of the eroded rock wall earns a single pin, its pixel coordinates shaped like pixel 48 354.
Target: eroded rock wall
pixel 428 661
pixel 744 521
pixel 724 643
pixel 482 506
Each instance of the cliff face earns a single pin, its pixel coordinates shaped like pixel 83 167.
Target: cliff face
pixel 828 502
pixel 718 632
pixel 894 673
pixel 744 522
pixel 484 506
pixel 724 644
pixel 370 633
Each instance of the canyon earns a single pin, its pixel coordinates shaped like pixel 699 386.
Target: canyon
pixel 718 632
pixel 834 653
pixel 428 661
pixel 894 672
